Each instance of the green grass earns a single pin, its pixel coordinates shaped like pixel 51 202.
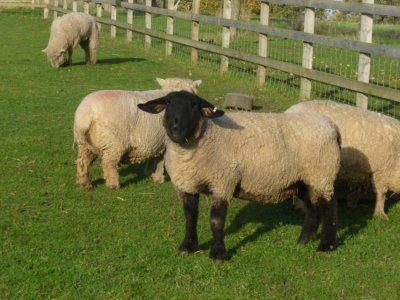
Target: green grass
pixel 60 241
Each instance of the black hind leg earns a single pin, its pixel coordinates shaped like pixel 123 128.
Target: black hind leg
pixel 312 217
pixel 310 226
pixel 328 212
pixel 219 209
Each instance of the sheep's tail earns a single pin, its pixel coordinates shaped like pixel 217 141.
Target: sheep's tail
pixel 82 125
pixel 339 137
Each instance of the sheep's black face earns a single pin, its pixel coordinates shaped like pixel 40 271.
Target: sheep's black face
pixel 182 119
pixel 183 114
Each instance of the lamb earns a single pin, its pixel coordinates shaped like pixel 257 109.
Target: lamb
pixel 254 156
pixel 370 155
pixel 109 124
pixel 67 32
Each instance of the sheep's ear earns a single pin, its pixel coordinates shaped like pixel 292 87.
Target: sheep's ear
pixel 211 113
pixel 154 106
pixel 208 110
pixel 160 81
pixel 44 50
pixel 196 84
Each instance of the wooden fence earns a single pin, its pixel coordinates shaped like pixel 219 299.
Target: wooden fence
pixel 364 46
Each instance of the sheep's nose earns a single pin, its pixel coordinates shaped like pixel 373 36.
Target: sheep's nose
pixel 175 127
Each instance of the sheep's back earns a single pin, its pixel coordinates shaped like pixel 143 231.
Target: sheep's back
pixel 69 29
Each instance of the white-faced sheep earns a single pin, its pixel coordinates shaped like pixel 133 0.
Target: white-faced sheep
pixel 370 155
pixel 67 32
pixel 109 124
pixel 254 156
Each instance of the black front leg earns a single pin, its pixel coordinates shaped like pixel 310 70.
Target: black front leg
pixel 217 221
pixel 191 209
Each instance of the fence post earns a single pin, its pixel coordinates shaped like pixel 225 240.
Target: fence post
pixel 129 16
pixel 263 42
pixel 195 30
pixel 364 60
pixel 114 17
pixel 305 84
pixel 226 32
pixel 170 28
pixel 99 12
pixel 147 38
pixel 86 7
pixel 46 9
pixel 55 13
pixel 65 4
pixel 74 6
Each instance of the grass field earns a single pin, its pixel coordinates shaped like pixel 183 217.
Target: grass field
pixel 60 241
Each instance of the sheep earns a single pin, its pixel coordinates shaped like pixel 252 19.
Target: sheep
pixel 108 124
pixel 66 33
pixel 253 156
pixel 370 155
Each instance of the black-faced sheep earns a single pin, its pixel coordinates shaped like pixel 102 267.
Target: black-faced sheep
pixel 254 156
pixel 67 32
pixel 370 155
pixel 109 124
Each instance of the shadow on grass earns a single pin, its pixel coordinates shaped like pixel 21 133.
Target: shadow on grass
pixel 350 220
pixel 112 61
pixel 134 172
pixel 137 169
pixel 269 215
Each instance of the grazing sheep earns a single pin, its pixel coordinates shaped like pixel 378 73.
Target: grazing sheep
pixel 109 124
pixel 67 32
pixel 254 156
pixel 370 155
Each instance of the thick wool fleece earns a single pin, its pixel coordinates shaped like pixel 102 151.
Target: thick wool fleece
pixel 370 147
pixel 258 156
pixel 108 123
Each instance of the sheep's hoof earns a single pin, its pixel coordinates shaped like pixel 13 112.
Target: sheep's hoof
pixel 218 260
pixel 218 255
pixel 114 186
pixel 85 184
pixel 325 247
pixel 88 186
pixel 306 238
pixel 185 248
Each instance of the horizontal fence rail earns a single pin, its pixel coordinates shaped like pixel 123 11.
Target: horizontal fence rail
pixel 21 5
pixel 372 9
